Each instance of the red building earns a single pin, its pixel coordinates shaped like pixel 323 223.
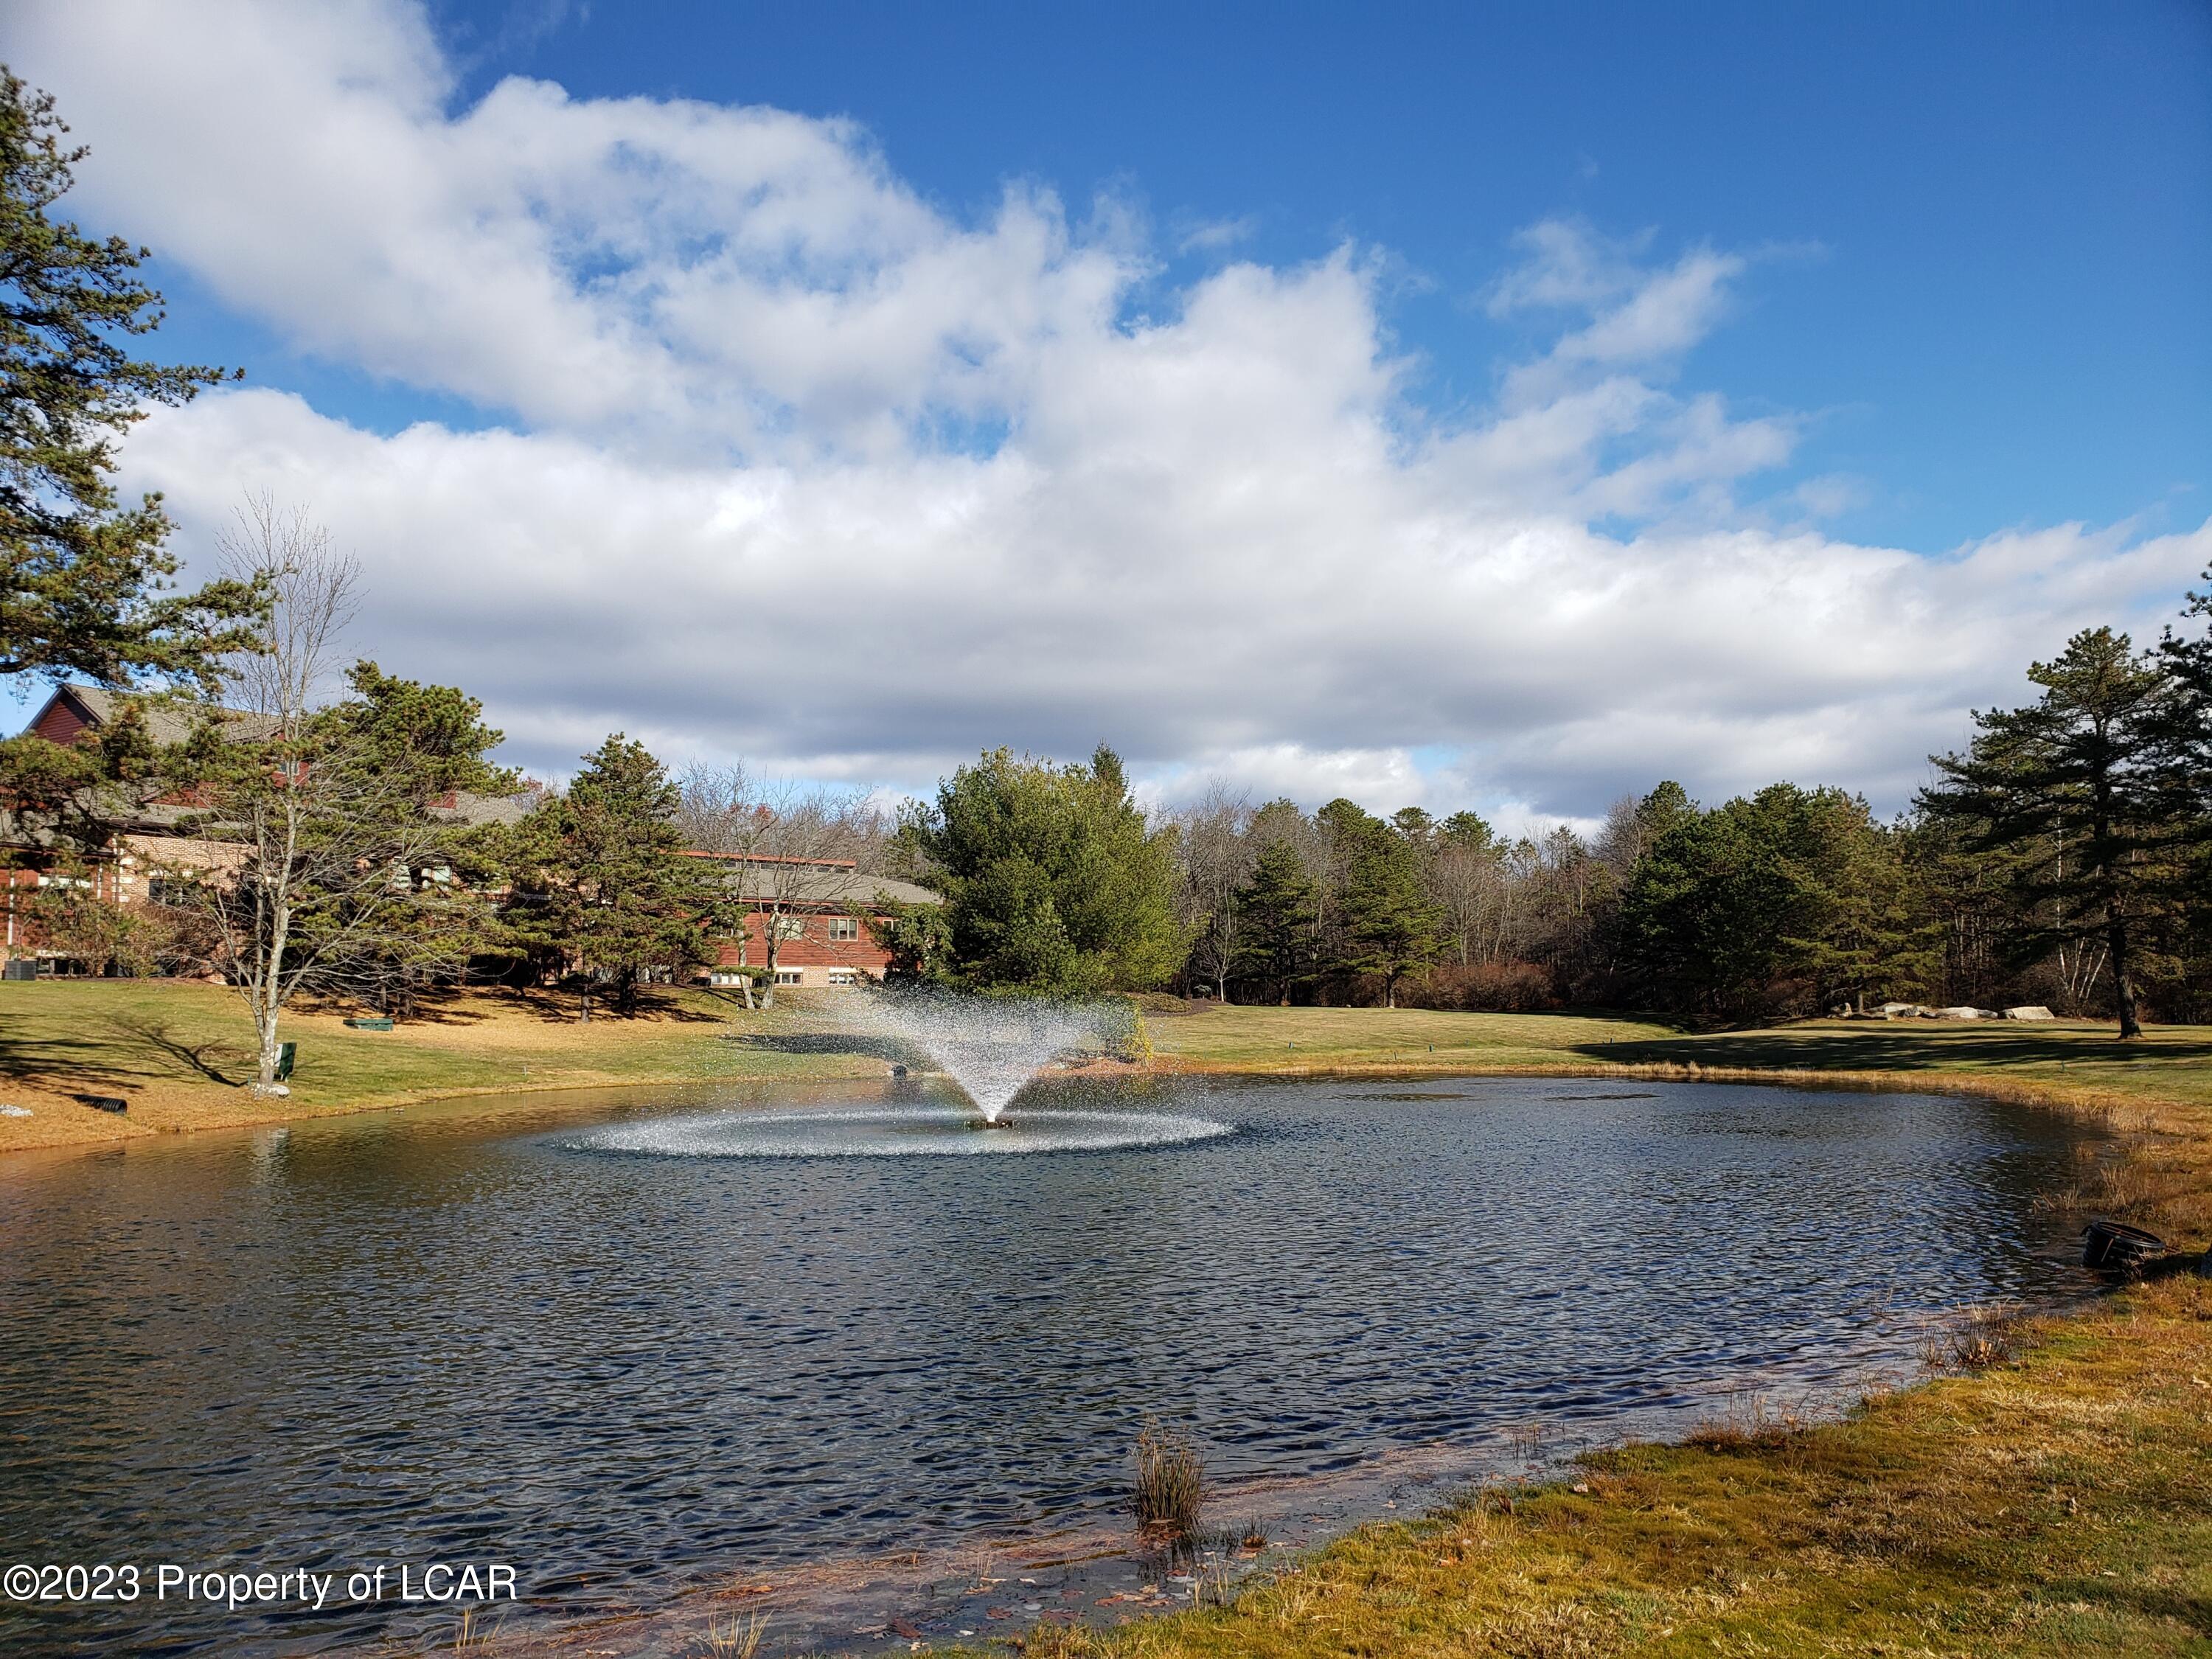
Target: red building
pixel 807 906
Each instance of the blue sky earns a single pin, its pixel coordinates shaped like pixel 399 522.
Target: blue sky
pixel 1900 279
pixel 1985 230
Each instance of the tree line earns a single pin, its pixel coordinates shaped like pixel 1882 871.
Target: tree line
pixel 2061 857
pixel 2064 857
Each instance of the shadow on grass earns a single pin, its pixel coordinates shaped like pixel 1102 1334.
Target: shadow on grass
pixel 1906 1050
pixel 135 1052
pixel 467 1007
pixel 206 1059
pixel 62 1063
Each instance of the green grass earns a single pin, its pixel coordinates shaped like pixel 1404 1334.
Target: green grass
pixel 180 1052
pixel 2171 1064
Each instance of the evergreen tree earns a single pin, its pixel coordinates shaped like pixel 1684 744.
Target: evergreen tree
pixel 2079 783
pixel 2188 766
pixel 914 936
pixel 1276 911
pixel 434 734
pixel 1469 830
pixel 606 883
pixel 1054 883
pixel 1391 924
pixel 1861 928
pixel 84 580
pixel 431 742
pixel 1709 908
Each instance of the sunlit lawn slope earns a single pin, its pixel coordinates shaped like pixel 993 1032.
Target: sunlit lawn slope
pixel 178 1053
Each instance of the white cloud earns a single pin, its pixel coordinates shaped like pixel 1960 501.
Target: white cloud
pixel 741 506
pixel 1215 234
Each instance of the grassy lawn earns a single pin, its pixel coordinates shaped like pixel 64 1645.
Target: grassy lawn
pixel 179 1053
pixel 2171 1064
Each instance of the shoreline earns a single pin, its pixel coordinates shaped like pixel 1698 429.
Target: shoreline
pixel 2099 1413
pixel 107 1131
pixel 2112 1109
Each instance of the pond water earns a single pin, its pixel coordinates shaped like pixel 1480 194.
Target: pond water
pixel 608 1341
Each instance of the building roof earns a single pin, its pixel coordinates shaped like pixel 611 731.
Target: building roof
pixel 465 807
pixel 817 881
pixel 166 722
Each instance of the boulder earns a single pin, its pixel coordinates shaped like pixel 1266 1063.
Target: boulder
pixel 1958 1013
pixel 2031 1011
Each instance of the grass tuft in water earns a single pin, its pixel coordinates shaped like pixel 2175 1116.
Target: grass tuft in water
pixel 736 1640
pixel 1169 1490
pixel 1974 1339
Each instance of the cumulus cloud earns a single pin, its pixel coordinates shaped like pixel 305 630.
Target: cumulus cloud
pixel 784 461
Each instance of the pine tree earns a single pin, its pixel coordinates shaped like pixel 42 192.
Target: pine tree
pixel 604 880
pixel 2079 783
pixel 1862 928
pixel 1275 909
pixel 1392 926
pixel 84 580
pixel 1054 883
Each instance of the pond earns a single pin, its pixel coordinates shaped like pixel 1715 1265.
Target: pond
pixel 610 1342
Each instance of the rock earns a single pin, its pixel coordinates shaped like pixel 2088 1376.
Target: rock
pixel 15 1111
pixel 2031 1011
pixel 268 1091
pixel 1958 1013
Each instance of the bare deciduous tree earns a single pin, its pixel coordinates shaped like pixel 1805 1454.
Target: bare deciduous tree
pixel 307 848
pixel 794 848
pixel 1466 880
pixel 1216 856
pixel 717 807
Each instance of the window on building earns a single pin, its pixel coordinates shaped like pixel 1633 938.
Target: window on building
pixel 787 975
pixel 842 976
pixel 791 928
pixel 843 930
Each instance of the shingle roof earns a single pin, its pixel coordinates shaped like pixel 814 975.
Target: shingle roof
pixel 829 882
pixel 166 722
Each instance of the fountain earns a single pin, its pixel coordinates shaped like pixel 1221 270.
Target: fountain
pixel 991 1047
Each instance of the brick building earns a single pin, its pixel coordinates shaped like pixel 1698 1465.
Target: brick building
pixel 808 905
pixel 147 841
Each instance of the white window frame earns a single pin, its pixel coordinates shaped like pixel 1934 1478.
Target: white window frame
pixel 844 930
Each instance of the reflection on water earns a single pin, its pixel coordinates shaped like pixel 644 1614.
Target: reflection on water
pixel 366 1340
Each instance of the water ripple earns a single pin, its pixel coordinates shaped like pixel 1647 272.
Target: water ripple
pixel 628 1348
